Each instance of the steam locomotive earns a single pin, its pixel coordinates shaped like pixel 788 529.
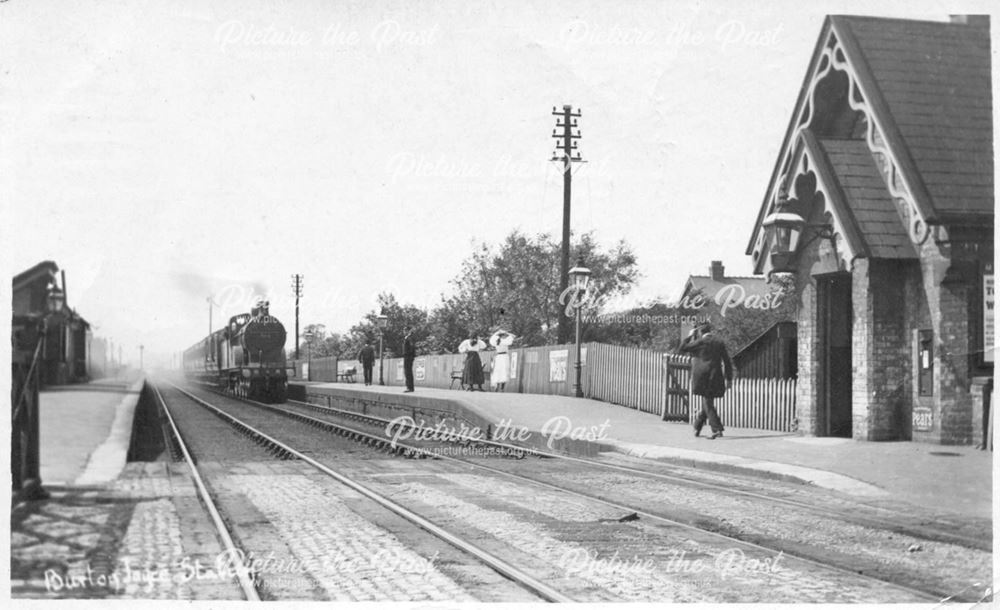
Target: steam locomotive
pixel 246 357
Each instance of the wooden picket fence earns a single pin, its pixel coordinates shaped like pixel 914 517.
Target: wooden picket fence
pixel 652 382
pixel 626 376
pixel 765 404
pixel 660 383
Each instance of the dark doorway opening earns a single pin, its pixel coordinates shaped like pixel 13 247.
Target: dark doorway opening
pixel 833 318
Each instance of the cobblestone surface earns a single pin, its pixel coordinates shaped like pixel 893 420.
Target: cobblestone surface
pixel 351 559
pixel 311 538
pixel 572 544
pixel 122 540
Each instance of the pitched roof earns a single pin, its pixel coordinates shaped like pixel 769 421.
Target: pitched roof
pixel 929 85
pixel 711 287
pixel 936 84
pixel 866 196
pixel 43 269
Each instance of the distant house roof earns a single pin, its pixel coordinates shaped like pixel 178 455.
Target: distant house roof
pixel 710 287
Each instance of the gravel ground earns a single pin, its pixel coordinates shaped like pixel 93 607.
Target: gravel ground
pixel 947 568
pixel 635 560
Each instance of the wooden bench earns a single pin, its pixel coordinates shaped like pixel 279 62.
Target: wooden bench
pixel 347 375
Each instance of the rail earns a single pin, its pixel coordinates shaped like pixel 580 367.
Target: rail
pixel 242 572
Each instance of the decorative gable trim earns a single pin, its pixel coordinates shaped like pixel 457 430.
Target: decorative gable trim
pixel 810 162
pixel 839 51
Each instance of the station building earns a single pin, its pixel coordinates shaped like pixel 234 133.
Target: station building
pixel 881 208
pixel 67 334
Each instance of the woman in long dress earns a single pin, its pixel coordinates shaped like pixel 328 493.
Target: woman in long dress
pixel 501 340
pixel 472 373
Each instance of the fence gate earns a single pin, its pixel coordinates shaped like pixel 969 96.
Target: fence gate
pixel 677 397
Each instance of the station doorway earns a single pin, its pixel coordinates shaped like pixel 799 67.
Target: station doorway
pixel 833 322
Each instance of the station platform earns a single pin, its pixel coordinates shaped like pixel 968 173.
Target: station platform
pixel 85 430
pixel 109 528
pixel 955 479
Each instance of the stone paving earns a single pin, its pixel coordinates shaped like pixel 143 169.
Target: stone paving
pixel 349 557
pixel 122 540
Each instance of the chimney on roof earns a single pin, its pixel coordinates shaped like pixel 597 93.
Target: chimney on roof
pixel 717 271
pixel 974 20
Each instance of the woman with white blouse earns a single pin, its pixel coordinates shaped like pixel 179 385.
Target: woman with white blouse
pixel 472 373
pixel 501 340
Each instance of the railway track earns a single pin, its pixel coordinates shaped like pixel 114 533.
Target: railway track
pixel 241 571
pixel 850 511
pixel 372 437
pixel 281 449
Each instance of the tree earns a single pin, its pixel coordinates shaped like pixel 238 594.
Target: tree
pixel 653 326
pixel 516 286
pixel 448 325
pixel 321 344
pixel 399 317
pixel 739 325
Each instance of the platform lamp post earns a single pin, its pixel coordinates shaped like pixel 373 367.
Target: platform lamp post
pixel 381 321
pixel 787 227
pixel 580 277
pixel 309 337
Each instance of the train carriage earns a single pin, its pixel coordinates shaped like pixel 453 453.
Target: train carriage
pixel 246 357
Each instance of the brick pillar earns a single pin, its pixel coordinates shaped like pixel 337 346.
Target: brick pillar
pixel 952 384
pixel 862 385
pixel 887 398
pixel 806 399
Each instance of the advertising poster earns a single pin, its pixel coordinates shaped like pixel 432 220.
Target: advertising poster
pixel 557 365
pixel 988 341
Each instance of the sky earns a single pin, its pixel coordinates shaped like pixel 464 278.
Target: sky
pixel 165 152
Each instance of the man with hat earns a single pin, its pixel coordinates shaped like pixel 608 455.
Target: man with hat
pixel 708 380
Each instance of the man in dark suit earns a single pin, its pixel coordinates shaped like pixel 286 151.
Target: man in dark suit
pixel 367 358
pixel 708 380
pixel 409 353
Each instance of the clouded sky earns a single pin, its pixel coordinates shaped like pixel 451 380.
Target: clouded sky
pixel 161 152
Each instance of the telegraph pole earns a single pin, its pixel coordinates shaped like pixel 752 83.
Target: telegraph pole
pixel 141 347
pixel 567 120
pixel 208 352
pixel 297 291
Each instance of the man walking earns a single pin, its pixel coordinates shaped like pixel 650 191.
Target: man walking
pixel 409 353
pixel 367 358
pixel 707 377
